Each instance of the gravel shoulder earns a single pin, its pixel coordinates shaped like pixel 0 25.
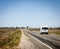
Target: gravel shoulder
pixel 26 43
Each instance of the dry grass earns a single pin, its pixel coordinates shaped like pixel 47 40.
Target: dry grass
pixel 54 31
pixel 34 29
pixel 9 38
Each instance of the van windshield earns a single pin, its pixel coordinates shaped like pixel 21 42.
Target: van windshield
pixel 44 28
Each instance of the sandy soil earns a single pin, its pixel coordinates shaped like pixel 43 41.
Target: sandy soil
pixel 26 43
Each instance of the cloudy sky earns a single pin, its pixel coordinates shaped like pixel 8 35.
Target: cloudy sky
pixel 33 13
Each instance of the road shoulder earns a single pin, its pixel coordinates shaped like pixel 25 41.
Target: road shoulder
pixel 26 43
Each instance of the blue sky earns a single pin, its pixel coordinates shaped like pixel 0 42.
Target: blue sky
pixel 32 13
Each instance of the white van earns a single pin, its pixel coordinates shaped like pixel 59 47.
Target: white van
pixel 44 30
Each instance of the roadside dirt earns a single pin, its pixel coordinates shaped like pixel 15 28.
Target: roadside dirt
pixel 26 43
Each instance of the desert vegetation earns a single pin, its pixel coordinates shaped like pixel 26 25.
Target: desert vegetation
pixel 9 38
pixel 54 30
pixel 34 29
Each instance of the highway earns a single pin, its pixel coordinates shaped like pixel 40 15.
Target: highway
pixel 49 39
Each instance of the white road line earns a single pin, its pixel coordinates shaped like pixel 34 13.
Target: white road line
pixel 42 43
pixel 46 45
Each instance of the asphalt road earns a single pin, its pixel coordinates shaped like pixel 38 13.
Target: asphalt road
pixel 50 39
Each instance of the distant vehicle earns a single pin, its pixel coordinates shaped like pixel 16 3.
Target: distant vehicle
pixel 44 30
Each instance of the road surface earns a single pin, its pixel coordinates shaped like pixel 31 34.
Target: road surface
pixel 26 43
pixel 50 39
